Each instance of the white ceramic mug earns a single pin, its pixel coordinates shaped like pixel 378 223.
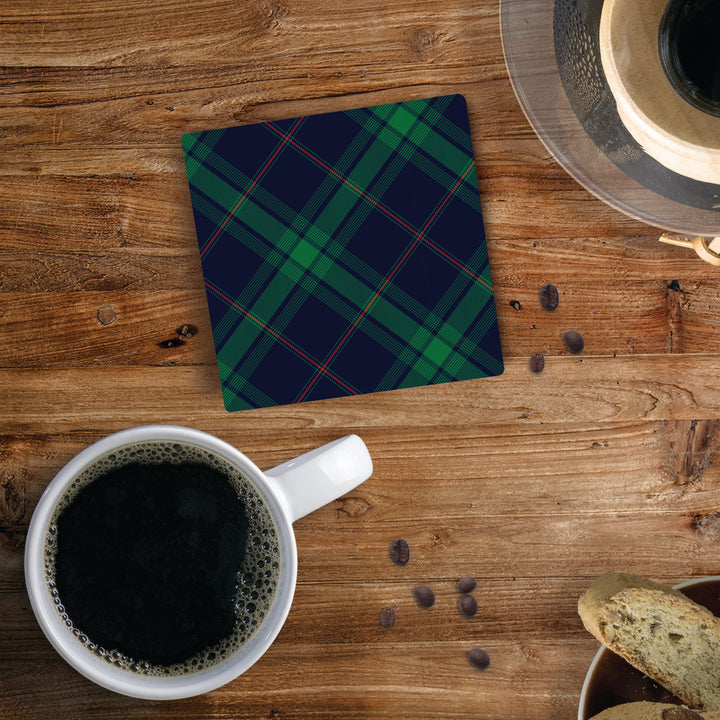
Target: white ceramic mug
pixel 290 491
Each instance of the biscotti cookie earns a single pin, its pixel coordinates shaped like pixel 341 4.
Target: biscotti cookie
pixel 653 711
pixel 661 632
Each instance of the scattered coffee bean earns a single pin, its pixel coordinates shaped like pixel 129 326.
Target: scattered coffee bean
pixel 400 551
pixel 549 296
pixel 537 363
pixel 466 584
pixel 573 341
pixel 468 606
pixel 424 595
pixel 387 617
pixel 478 658
pixel 515 305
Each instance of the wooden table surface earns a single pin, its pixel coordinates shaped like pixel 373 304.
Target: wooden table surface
pixel 533 483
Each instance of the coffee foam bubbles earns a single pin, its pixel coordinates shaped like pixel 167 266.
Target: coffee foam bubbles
pixel 257 579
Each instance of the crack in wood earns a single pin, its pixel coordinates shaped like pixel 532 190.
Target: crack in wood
pixel 182 335
pixel 675 304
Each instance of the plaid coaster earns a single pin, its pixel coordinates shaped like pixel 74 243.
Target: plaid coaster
pixel 344 253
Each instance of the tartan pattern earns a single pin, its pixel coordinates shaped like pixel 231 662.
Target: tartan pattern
pixel 344 253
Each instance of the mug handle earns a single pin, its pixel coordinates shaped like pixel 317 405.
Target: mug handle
pixel 320 476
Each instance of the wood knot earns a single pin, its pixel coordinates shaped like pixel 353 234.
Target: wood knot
pixel 12 509
pixel 106 315
pixel 352 507
pixel 439 539
pixel 692 445
pixel 271 14
pixel 708 526
pixel 426 44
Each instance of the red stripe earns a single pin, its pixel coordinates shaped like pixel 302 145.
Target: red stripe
pixel 279 337
pixel 389 277
pixel 380 206
pixel 263 170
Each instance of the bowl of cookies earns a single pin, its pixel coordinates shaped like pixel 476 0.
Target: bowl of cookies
pixel 660 658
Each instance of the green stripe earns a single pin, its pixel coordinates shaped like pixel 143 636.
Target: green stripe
pixel 197 146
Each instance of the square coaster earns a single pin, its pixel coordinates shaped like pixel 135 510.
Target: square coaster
pixel 344 253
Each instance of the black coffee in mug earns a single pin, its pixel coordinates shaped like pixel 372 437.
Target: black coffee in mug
pixel 162 558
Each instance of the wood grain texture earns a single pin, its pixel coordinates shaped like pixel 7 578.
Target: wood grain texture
pixel 533 483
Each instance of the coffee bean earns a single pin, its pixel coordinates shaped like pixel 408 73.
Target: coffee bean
pixel 515 305
pixel 549 296
pixel 537 363
pixel 424 595
pixel 478 658
pixel 466 584
pixel 573 341
pixel 468 605
pixel 387 617
pixel 400 551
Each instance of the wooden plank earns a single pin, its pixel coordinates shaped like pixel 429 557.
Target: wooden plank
pixel 431 680
pixel 106 324
pixel 87 214
pixel 108 328
pixel 417 666
pixel 670 314
pixel 472 512
pixel 557 551
pixel 571 389
pixel 557 469
pixel 126 113
pixel 256 32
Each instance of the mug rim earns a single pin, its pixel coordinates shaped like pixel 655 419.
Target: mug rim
pixel 99 670
pixel 602 650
